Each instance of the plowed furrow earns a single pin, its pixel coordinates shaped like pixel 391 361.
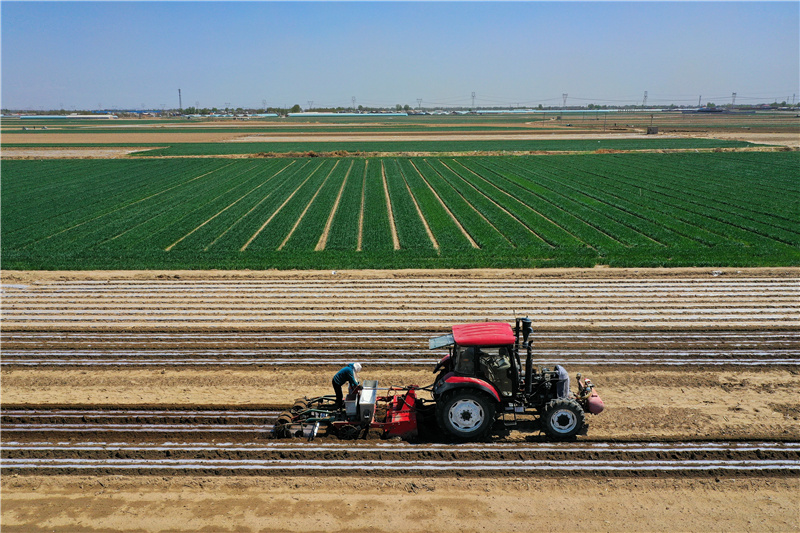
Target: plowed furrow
pixel 771 458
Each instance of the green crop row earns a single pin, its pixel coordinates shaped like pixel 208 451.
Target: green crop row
pixel 571 210
pixel 345 216
pixel 376 227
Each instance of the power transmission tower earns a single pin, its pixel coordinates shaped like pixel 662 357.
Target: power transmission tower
pixel 699 98
pixel 419 104
pixel 644 100
pixel 310 104
pixel 264 104
pixel 733 99
pixel 354 103
pixel 180 101
pixel 564 96
pixel 473 100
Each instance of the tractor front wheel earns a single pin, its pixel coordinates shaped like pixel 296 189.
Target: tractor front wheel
pixel 562 419
pixel 466 415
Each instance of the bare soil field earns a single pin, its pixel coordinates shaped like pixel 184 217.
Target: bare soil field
pixel 781 139
pixel 154 313
pixel 770 141
pixel 303 504
pixel 172 137
pixel 780 130
pixel 69 153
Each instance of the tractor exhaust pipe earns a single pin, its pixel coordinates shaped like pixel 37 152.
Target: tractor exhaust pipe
pixel 526 333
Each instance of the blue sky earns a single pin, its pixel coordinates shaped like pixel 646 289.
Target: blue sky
pixel 87 55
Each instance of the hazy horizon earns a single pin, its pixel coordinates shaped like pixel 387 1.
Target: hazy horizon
pixel 130 55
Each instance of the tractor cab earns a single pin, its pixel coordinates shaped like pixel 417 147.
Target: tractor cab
pixel 481 357
pixel 483 377
pixel 492 364
pixel 479 377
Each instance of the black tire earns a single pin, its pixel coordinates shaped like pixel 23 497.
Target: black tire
pixel 563 419
pixel 466 415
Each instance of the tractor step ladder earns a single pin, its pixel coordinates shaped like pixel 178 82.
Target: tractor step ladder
pixel 512 422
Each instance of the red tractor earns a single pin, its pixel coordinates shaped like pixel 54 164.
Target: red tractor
pixel 482 379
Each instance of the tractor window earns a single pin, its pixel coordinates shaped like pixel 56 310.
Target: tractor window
pixel 465 362
pixel 495 364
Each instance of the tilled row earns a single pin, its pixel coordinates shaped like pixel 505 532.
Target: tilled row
pixel 22 418
pixel 383 358
pixel 365 304
pixel 35 349
pixel 386 459
pixel 137 424
pixel 399 341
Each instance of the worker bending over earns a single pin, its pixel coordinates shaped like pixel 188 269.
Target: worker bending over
pixel 348 374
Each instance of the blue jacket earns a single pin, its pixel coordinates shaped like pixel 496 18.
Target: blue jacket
pixel 345 375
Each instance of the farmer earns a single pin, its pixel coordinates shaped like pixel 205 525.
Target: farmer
pixel 346 375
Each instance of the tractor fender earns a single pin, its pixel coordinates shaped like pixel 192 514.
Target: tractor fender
pixel 451 382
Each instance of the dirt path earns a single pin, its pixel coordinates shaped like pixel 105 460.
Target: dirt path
pixel 125 503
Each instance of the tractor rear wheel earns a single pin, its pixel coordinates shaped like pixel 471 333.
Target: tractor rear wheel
pixel 563 418
pixel 466 415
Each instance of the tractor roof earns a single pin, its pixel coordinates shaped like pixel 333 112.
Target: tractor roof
pixel 483 334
